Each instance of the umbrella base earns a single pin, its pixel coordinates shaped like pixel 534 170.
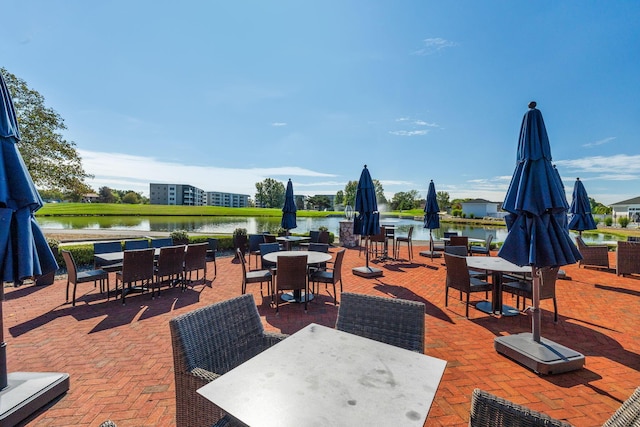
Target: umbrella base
pixel 431 254
pixel 544 357
pixel 27 392
pixel 367 272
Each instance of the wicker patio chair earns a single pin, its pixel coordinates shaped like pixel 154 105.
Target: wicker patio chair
pixel 393 321
pixel 627 415
pixel 524 289
pixel 83 277
pixel 195 259
pixel 137 271
pixel 170 265
pixel 254 247
pixel 292 276
pixel 212 250
pixel 593 255
pixel 161 242
pixel 267 248
pixel 488 410
pixel 628 258
pixel 318 247
pixel 130 245
pixel 404 239
pixel 254 276
pixel 330 276
pixel 458 277
pixel 482 250
pixel 104 248
pixel 209 342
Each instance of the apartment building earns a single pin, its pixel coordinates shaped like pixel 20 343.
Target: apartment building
pixel 228 200
pixel 175 194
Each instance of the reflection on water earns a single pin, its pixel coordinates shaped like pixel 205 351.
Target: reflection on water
pixel 226 225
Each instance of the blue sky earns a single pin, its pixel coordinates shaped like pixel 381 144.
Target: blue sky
pixel 223 94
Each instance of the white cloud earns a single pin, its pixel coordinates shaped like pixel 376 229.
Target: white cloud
pixel 622 164
pixel 433 45
pixel 600 142
pixel 278 124
pixel 128 172
pixel 408 132
pixel 423 123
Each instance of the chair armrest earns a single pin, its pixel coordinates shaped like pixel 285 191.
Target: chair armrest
pixel 204 375
pixel 272 338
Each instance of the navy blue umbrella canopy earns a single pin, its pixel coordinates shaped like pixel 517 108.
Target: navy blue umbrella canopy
pixel 289 209
pixel 536 202
pixel 367 223
pixel 24 251
pixel 580 210
pixel 431 209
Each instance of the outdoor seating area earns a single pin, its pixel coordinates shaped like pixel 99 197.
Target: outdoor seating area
pixel 38 337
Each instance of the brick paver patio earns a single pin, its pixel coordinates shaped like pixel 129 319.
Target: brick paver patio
pixel 121 368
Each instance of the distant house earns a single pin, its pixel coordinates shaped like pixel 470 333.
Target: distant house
pixel 479 208
pixel 89 198
pixel 629 208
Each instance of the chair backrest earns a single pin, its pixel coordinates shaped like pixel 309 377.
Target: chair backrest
pixel 488 410
pixel 138 265
pixel 319 247
pixel 212 247
pixel 628 414
pixel 70 263
pixel 254 242
pixel 267 248
pixel 337 266
pixel 243 262
pixel 215 337
pixel 314 235
pixel 548 285
pixel 106 247
pixel 292 272
pixel 410 233
pixel 580 243
pixel 393 321
pixel 380 236
pixel 270 238
pixel 489 240
pixel 323 237
pixel 170 260
pixel 633 239
pixel 457 272
pixel 162 242
pixel 456 250
pixel 459 241
pixel 136 244
pixel 449 234
pixel 195 257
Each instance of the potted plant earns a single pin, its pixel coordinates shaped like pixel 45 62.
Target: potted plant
pixel 240 241
pixel 180 237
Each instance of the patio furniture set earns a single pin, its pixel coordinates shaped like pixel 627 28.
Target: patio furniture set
pixel 597 256
pixel 142 266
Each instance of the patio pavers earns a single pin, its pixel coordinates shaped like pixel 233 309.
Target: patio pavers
pixel 121 367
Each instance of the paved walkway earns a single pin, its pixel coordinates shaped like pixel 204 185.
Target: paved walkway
pixel 121 368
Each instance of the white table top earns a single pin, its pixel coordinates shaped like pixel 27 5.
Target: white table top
pixel 324 377
pixel 470 240
pixel 494 263
pixel 313 257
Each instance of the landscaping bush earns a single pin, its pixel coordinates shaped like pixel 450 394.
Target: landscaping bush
pixel 180 237
pixel 608 221
pixel 623 221
pixel 456 212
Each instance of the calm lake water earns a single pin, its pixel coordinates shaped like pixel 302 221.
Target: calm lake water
pixel 226 225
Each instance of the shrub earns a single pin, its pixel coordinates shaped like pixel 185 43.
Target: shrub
pixel 623 221
pixel 456 212
pixel 608 221
pixel 472 215
pixel 180 237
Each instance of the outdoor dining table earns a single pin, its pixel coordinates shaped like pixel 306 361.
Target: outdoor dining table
pixel 322 376
pixel 288 240
pixel 112 257
pixel 313 257
pixel 497 266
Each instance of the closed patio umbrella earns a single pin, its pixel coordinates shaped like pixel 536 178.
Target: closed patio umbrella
pixel 367 223
pixel 580 210
pixel 431 214
pixel 538 236
pixel 289 209
pixel 24 253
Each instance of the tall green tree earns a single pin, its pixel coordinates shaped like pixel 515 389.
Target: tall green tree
pixel 105 195
pixel 270 193
pixel 405 200
pixel 339 197
pixel 350 193
pixel 319 202
pixel 442 197
pixel 52 161
pixel 380 197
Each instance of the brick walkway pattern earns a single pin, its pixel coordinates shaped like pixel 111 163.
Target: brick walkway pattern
pixel 121 367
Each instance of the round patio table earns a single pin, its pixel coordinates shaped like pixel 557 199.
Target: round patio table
pixel 313 257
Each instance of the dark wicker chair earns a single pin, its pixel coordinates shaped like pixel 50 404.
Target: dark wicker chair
pixel 330 276
pixel 628 258
pixel 209 342
pixel 255 240
pixel 628 414
pixel 393 321
pixel 524 289
pixel 108 423
pixel 105 248
pixel 482 250
pixel 292 276
pixel 169 265
pixel 488 410
pixel 195 259
pixel 318 247
pixel 459 241
pixel 130 245
pixel 212 250
pixel 137 271
pixel 458 277
pixel 593 255
pixel 162 242
pixel 255 276
pixel 83 277
pixel 267 248
pixel 405 239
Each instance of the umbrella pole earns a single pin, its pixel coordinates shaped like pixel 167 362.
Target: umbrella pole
pixel 431 244
pixel 535 320
pixel 366 251
pixel 3 346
